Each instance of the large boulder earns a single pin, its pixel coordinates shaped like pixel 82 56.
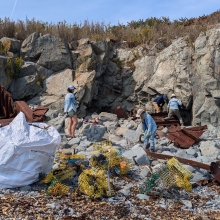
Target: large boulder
pixel 206 106
pixel 49 51
pixel 85 90
pixel 58 83
pixel 25 87
pixel 11 45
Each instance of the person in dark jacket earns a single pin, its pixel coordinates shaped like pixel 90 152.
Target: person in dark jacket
pixel 159 102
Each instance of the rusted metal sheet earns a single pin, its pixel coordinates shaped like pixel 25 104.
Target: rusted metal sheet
pixel 213 168
pixel 194 132
pixel 186 137
pixel 120 113
pixel 159 119
pixel 6 104
pixel 35 115
pixel 4 122
pixel 21 106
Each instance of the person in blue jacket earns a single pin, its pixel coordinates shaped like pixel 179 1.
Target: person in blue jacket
pixel 70 109
pixel 149 126
pixel 159 102
pixel 173 109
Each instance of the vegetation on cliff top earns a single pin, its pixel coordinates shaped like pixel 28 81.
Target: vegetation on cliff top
pixel 149 31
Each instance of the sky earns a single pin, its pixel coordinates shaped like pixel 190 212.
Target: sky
pixel 110 12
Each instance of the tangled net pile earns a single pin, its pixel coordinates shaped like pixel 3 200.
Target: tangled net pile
pixel 170 174
pixel 106 160
pixel 69 165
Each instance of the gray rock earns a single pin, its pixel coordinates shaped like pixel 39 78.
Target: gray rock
pixel 105 116
pixel 114 138
pixel 74 141
pixel 197 176
pixel 168 153
pixel 123 143
pixel 139 155
pixel 111 125
pixel 132 136
pixel 188 167
pixel 65 146
pixel 163 141
pixel 209 149
pixel 191 151
pixel 142 196
pixel 27 69
pixel 183 154
pixel 205 159
pixel 49 50
pixel 58 122
pixel 121 131
pixel 187 203
pixel 51 114
pixel 144 172
pixel 83 146
pixel 15 45
pixel 54 86
pixel 25 87
pixel 165 130
pixel 155 162
pixel 94 132
pixel 125 192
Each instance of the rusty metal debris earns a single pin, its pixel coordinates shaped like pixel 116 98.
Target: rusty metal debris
pixel 120 112
pixel 159 119
pixel 8 111
pixel 213 168
pixel 186 137
pixel 6 104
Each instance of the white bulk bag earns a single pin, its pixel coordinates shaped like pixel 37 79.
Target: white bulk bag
pixel 25 151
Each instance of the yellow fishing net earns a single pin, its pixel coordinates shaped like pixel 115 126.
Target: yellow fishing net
pixel 57 188
pixel 168 175
pixel 105 156
pixel 95 182
pixel 67 168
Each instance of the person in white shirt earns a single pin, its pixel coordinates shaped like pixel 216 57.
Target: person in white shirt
pixel 70 109
pixel 173 108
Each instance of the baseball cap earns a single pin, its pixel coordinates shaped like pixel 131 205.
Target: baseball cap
pixel 71 87
pixel 139 112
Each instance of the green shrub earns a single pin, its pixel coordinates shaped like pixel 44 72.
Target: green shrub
pixel 2 49
pixel 118 62
pixel 17 66
pixel 13 67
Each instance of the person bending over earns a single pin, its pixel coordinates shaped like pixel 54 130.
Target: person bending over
pixel 149 126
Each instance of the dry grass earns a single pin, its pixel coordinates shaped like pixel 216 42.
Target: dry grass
pixel 149 31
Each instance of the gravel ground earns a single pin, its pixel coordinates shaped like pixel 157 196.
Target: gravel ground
pixel 31 202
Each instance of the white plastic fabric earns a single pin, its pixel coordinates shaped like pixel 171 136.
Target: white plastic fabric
pixel 25 151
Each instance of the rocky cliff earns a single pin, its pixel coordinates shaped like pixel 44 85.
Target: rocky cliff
pixel 106 76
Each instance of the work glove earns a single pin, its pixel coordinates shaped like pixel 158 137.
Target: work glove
pixel 147 134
